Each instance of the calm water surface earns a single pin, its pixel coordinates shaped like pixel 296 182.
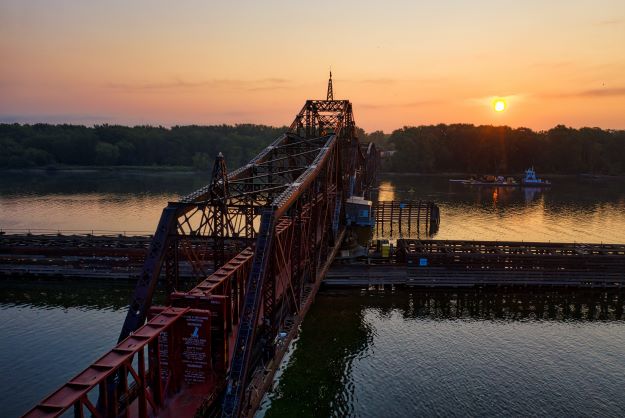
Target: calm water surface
pixel 105 201
pixel 581 210
pixel 419 353
pixel 50 332
pixel 361 353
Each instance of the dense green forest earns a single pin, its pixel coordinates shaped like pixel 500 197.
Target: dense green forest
pixel 42 145
pixel 503 150
pixel 425 149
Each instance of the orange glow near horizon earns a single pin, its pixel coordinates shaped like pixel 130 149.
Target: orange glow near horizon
pixel 386 191
pixel 151 62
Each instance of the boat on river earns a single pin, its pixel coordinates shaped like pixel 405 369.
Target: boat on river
pixel 529 180
pixel 488 180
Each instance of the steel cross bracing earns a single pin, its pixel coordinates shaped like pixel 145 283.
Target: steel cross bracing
pixel 277 220
pixel 330 95
pixel 205 228
pixel 299 229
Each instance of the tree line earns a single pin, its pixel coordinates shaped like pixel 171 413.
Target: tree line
pixel 503 150
pixel 44 145
pixel 424 149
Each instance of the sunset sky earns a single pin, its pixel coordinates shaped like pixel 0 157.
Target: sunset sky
pixel 399 62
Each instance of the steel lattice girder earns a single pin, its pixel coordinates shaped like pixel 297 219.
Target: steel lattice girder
pixel 287 203
pixel 301 178
pixel 251 189
pixel 312 197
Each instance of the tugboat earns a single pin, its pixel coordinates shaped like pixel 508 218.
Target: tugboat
pixel 530 179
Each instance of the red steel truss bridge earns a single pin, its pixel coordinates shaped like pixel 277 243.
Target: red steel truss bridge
pixel 259 240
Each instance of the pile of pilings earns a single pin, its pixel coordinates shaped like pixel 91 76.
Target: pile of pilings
pixel 408 218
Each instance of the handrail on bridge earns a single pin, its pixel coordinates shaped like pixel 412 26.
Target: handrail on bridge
pixel 117 363
pixel 304 175
pixel 105 233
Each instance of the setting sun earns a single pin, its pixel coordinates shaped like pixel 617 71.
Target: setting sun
pixel 500 105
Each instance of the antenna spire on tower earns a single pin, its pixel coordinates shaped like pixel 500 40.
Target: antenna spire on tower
pixel 330 92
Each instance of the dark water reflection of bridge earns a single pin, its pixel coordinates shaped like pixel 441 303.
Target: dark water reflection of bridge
pixel 512 304
pixel 339 325
pixel 67 294
pixel 555 304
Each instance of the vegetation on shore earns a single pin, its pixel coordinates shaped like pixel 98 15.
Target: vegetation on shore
pixel 501 149
pixel 423 149
pixel 43 145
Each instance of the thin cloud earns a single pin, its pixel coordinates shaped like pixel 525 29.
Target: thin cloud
pixel 592 93
pixel 552 64
pixel 516 97
pixel 178 84
pixel 420 103
pixel 610 22
pixel 376 81
pixel 379 81
pixel 75 118
pixel 388 81
pixel 270 87
pixel 215 118
pixel 603 92
pixel 275 80
pixel 267 84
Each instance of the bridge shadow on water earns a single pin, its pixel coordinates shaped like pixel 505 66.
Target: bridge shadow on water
pixel 83 294
pixel 338 332
pixel 514 304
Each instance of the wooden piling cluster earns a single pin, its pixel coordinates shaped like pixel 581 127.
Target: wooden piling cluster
pixel 410 218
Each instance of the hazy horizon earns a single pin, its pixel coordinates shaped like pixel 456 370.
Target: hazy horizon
pixel 401 64
pixel 389 132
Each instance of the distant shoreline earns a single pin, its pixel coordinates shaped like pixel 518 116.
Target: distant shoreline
pixel 464 175
pixel 151 169
pixel 112 168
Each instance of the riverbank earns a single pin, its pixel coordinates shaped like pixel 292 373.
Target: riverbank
pixel 109 168
pixel 463 175
pixel 159 169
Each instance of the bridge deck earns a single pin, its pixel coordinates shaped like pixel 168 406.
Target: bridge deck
pixel 255 242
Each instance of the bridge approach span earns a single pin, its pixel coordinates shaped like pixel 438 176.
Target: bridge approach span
pixel 283 217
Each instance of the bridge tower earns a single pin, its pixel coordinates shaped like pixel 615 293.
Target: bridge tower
pixel 218 192
pixel 330 95
pixel 271 228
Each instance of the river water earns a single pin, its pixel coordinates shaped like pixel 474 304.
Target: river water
pixel 361 352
